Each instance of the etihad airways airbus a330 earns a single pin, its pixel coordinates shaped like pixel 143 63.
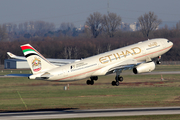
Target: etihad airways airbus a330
pixel 138 57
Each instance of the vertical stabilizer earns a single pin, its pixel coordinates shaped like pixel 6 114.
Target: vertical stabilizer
pixel 36 61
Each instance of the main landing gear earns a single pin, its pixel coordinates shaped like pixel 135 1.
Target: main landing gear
pixel 91 82
pixel 118 79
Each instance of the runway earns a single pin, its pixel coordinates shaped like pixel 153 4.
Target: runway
pixel 151 73
pixel 54 114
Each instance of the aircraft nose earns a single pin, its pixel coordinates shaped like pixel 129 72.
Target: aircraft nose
pixel 167 44
pixel 170 43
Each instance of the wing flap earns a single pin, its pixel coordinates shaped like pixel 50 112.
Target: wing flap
pixel 128 64
pixel 121 65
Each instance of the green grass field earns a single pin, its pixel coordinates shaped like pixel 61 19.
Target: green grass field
pixel 18 94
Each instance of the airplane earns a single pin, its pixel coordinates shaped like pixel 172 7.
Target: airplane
pixel 140 57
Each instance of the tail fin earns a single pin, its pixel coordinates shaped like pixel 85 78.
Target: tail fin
pixel 36 61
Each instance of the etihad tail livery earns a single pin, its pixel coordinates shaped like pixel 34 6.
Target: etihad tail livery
pixel 137 57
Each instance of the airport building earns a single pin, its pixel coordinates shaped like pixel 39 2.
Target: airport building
pixel 15 64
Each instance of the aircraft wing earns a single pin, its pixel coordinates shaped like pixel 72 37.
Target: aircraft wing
pixel 117 67
pixel 16 57
pixel 128 64
pixel 59 62
pixel 120 66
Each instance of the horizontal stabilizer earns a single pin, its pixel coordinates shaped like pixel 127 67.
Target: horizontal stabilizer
pixel 19 75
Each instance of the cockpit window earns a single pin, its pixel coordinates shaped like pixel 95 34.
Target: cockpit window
pixel 168 41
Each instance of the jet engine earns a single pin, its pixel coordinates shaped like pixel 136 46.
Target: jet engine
pixel 144 67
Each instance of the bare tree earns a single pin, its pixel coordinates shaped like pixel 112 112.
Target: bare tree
pixel 99 50
pixel 108 47
pixel 148 22
pixel 25 26
pixel 65 53
pixel 178 25
pixel 94 21
pixel 20 26
pixel 69 52
pixel 75 52
pixel 42 27
pixel 3 32
pixel 67 28
pixel 110 23
pixel 15 28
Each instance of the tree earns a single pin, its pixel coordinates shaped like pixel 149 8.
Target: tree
pixel 65 53
pixel 27 35
pixel 94 21
pixel 3 33
pixel 111 22
pixel 75 52
pixel 148 22
pixel 68 29
pixel 178 25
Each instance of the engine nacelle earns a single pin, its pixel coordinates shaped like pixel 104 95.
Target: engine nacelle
pixel 144 67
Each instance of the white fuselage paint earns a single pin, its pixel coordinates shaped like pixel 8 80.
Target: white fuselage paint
pixel 93 66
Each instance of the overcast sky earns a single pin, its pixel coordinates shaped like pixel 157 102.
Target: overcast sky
pixel 77 11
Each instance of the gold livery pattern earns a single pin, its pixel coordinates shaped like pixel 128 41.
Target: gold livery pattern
pixel 116 56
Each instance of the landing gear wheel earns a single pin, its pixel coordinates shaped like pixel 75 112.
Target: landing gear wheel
pixel 94 78
pixel 90 82
pixel 158 62
pixel 117 83
pixel 120 79
pixel 113 83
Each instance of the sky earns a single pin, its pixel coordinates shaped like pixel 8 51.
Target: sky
pixel 77 11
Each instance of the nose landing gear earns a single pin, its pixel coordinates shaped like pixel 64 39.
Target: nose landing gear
pixel 158 60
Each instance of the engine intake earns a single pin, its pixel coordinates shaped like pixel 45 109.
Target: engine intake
pixel 144 67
